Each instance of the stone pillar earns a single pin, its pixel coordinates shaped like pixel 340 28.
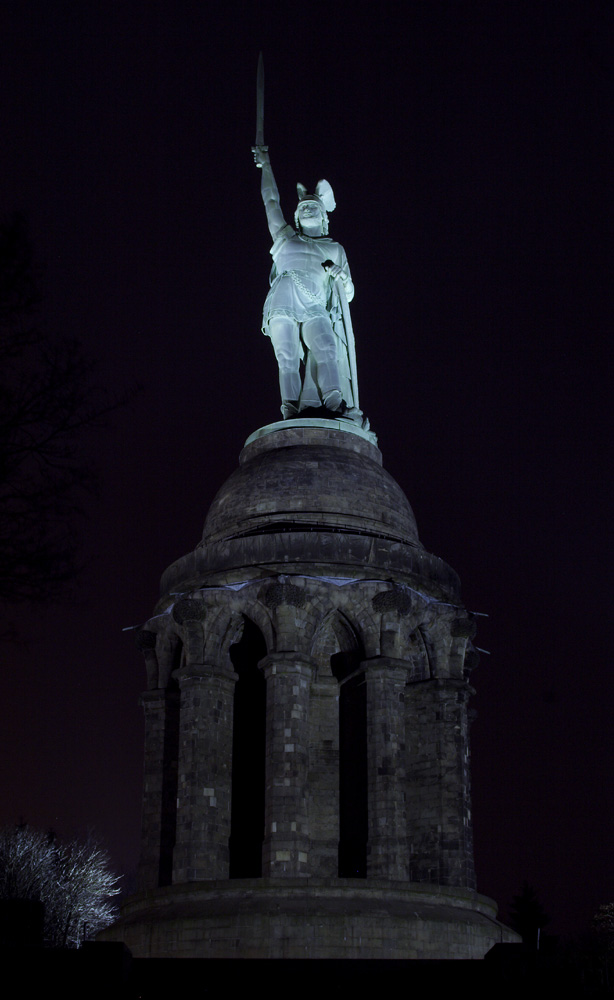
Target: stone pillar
pixel 323 778
pixel 158 818
pixel 205 773
pixel 439 803
pixel 388 855
pixel 286 836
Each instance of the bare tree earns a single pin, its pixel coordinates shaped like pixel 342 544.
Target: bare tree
pixel 47 400
pixel 602 928
pixel 528 917
pixel 72 880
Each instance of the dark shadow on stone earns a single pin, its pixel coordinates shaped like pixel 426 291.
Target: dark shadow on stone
pixel 248 755
pixel 170 768
pixel 353 815
pixel 322 412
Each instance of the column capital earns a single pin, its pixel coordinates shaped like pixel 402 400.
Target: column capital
pixel 453 684
pixel 386 665
pixel 287 663
pixel 204 671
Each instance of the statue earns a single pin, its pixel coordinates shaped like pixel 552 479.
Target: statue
pixel 306 312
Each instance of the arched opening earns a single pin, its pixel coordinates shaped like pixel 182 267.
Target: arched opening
pixel 170 768
pixel 353 787
pixel 340 795
pixel 248 755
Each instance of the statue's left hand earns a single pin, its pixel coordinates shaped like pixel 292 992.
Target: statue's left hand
pixel 335 271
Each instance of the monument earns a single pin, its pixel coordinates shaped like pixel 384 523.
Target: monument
pixel 307 781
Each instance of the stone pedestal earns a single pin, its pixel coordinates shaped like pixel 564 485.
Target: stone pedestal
pixel 353 766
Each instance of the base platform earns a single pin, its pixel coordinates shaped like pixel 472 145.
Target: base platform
pixel 309 919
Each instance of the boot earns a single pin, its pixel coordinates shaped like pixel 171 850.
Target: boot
pixel 333 400
pixel 289 408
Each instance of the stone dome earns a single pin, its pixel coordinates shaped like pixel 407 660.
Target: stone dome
pixel 310 496
pixel 310 478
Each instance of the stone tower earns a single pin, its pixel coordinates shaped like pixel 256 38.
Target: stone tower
pixel 307 783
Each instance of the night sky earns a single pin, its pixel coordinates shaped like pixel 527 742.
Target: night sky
pixel 469 145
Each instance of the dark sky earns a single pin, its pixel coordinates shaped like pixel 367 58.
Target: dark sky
pixel 470 146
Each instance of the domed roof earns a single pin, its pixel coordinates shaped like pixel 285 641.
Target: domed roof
pixel 305 477
pixel 310 496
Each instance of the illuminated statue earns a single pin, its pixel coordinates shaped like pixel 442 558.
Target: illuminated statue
pixel 306 313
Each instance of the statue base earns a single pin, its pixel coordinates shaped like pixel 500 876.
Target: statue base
pixel 326 423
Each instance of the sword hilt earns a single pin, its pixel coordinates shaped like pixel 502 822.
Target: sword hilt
pixel 256 150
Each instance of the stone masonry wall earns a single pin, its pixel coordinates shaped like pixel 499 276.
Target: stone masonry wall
pixel 438 787
pixel 418 782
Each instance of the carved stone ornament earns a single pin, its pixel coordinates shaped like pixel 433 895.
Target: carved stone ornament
pixel 189 610
pixel 144 639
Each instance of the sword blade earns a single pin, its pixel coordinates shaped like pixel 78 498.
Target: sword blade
pixel 260 103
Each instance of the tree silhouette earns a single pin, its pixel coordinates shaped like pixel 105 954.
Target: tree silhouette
pixel 527 915
pixel 602 926
pixel 72 881
pixel 46 402
pixel 602 933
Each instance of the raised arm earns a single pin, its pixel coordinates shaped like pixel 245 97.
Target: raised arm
pixel 270 194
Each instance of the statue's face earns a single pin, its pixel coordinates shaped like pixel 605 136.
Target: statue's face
pixel 310 214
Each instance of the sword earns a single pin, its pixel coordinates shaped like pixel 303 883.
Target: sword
pixel 260 108
pixel 349 338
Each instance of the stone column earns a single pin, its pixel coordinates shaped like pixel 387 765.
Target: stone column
pixel 205 773
pixel 286 837
pixel 158 819
pixel 323 778
pixel 388 855
pixel 439 803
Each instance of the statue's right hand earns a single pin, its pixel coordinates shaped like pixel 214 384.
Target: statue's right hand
pixel 261 156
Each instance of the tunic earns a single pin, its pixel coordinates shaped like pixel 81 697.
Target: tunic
pixel 300 287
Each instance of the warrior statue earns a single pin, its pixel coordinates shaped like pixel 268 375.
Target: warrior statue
pixel 306 312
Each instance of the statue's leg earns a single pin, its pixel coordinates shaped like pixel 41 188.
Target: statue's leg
pixel 285 340
pixel 320 339
pixel 310 397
